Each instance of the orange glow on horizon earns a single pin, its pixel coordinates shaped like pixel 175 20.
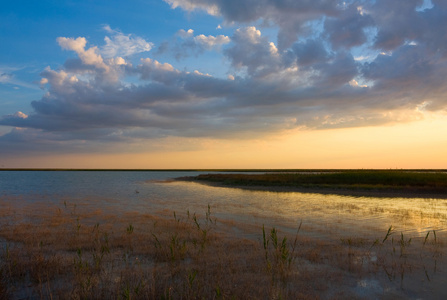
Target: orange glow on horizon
pixel 411 145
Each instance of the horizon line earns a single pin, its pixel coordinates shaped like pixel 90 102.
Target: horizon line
pixel 219 169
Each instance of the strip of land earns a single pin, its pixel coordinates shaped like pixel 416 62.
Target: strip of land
pixel 374 183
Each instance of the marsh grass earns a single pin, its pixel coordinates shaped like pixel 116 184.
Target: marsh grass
pixel 382 180
pixel 70 252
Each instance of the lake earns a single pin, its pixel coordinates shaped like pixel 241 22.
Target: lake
pixel 152 192
pixel 341 222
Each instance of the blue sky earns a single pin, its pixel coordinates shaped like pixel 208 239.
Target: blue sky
pixel 30 28
pixel 132 76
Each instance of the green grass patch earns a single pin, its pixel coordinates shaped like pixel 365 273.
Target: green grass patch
pixel 352 179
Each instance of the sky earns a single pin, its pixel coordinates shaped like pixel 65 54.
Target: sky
pixel 223 84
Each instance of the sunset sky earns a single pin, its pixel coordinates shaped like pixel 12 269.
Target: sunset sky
pixel 223 84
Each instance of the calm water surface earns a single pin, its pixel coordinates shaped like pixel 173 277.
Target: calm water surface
pixel 329 217
pixel 142 191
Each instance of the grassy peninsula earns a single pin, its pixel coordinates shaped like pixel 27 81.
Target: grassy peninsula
pixel 356 182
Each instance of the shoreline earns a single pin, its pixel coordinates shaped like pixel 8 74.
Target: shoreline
pixel 358 192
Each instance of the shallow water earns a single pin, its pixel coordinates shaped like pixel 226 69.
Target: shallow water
pixel 326 217
pixel 142 191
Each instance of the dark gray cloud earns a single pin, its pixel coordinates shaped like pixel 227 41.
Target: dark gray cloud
pixel 311 52
pixel 338 72
pixel 397 22
pixel 347 30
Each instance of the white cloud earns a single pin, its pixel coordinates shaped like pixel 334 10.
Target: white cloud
pixel 90 56
pixel 188 44
pixel 209 42
pixel 185 34
pixel 119 61
pixel 76 45
pixel 20 115
pixel 43 81
pixel 157 65
pixel 191 5
pixel 354 83
pixel 361 57
pixel 251 33
pixel 5 78
pixel 120 44
pixel 61 82
pixel 109 71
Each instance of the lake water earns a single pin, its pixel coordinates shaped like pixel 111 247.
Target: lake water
pixel 143 191
pixel 324 217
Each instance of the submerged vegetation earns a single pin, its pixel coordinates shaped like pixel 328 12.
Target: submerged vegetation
pixel 71 252
pixel 392 181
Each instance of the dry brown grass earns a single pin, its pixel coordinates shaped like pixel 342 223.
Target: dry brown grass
pixel 69 252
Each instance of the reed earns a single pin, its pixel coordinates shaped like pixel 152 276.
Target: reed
pixel 74 253
pixel 280 256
